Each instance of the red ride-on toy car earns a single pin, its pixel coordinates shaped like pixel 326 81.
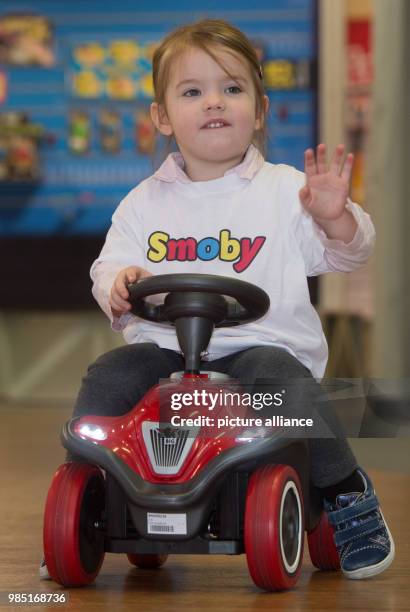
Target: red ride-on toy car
pixel 147 488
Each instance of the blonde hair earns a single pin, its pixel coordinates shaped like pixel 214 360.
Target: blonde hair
pixel 207 35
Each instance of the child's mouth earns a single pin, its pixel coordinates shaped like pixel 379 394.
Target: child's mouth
pixel 215 125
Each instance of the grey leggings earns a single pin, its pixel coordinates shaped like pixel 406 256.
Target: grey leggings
pixel 117 380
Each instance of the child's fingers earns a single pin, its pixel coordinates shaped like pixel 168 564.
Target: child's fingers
pixel 347 167
pixel 305 195
pixel 117 303
pixel 310 162
pixel 118 300
pixel 336 163
pixel 131 276
pixel 321 158
pixel 145 274
pixel 120 287
pixel 119 292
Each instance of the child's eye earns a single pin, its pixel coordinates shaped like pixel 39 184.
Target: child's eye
pixel 191 93
pixel 234 87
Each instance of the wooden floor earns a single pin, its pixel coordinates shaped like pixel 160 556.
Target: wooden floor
pixel 29 454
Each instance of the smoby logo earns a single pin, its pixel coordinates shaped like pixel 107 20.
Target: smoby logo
pixel 242 251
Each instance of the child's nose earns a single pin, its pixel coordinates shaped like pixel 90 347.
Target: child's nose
pixel 214 101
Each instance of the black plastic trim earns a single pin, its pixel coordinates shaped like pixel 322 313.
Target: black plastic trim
pixel 195 546
pixel 171 496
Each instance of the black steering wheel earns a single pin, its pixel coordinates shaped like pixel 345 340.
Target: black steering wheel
pixel 199 295
pixel 195 304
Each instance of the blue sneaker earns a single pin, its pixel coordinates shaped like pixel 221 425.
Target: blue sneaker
pixel 363 540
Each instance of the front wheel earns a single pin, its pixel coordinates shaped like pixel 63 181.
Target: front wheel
pixel 73 547
pixel 274 527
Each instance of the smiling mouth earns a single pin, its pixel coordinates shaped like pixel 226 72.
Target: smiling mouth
pixel 214 126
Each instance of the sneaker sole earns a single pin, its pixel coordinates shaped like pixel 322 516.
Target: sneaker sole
pixel 373 570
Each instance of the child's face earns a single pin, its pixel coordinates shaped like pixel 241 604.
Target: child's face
pixel 199 92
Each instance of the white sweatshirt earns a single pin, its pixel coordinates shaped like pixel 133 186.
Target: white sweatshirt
pixel 248 224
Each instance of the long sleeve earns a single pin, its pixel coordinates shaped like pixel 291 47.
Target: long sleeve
pixel 122 248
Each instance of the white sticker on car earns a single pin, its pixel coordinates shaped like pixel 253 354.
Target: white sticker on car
pixel 167 524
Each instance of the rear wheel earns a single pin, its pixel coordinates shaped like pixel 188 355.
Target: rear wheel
pixel 147 561
pixel 73 547
pixel 322 548
pixel 274 527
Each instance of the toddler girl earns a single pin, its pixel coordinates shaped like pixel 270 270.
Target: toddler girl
pixel 218 207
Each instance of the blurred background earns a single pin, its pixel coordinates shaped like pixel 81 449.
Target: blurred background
pixel 76 136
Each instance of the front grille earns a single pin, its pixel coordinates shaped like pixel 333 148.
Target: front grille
pixel 167 448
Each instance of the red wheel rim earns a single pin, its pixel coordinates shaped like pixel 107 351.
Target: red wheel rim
pixel 273 541
pixel 73 548
pixel 147 561
pixel 322 549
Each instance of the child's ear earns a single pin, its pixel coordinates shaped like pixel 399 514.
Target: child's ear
pixel 261 119
pixel 160 119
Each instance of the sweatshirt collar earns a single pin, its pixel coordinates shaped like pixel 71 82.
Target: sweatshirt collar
pixel 172 168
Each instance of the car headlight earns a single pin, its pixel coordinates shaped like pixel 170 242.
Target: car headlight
pixel 92 431
pixel 252 435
